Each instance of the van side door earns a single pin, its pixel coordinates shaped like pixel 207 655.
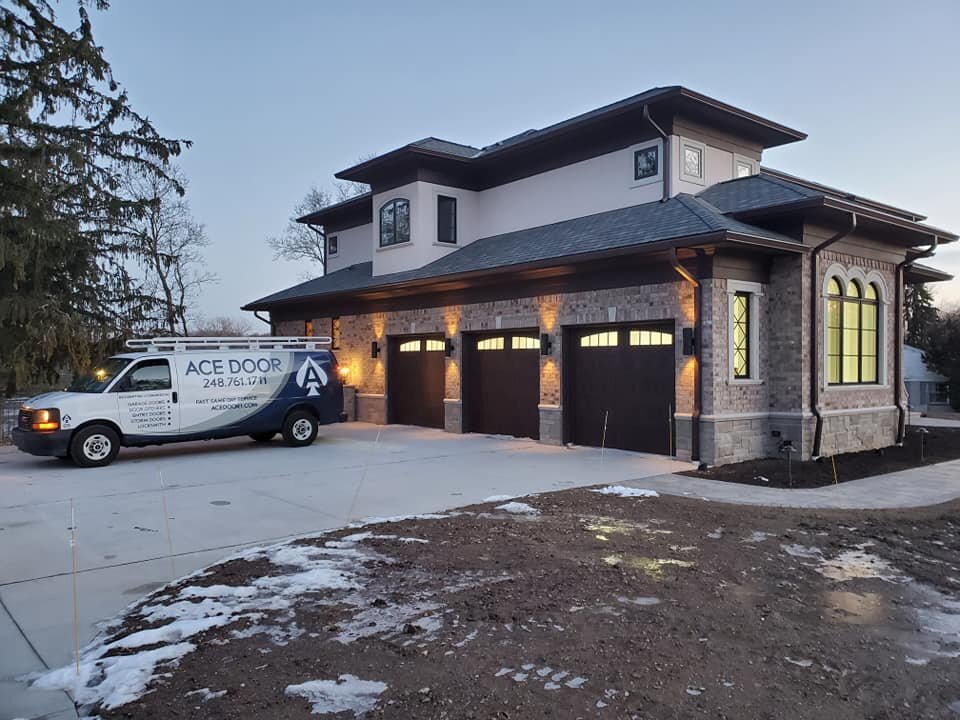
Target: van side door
pixel 147 398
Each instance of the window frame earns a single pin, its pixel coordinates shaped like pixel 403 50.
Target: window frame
pixel 863 283
pixel 333 246
pixel 633 151
pixel 456 220
pixel 393 204
pixel 753 291
pixel 685 143
pixel 120 385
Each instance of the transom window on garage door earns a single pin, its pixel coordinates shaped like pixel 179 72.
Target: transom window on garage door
pixel 650 337
pixel 491 343
pixel 635 338
pixel 418 345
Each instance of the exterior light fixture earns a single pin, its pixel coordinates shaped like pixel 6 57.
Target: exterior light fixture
pixel 344 372
pixel 374 349
pixel 546 344
pixel 448 347
pixel 689 341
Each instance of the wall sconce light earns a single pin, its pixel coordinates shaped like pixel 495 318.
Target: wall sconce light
pixel 546 344
pixel 689 341
pixel 448 347
pixel 374 349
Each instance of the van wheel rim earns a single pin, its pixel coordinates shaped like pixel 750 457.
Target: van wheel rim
pixel 302 429
pixel 96 447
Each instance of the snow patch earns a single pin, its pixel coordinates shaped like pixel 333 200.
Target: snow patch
pixel 623 491
pixel 518 508
pixel 499 498
pixel 206 694
pixel 346 694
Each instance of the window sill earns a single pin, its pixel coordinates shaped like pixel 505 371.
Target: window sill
pixel 857 386
pixel 382 248
pixel 446 245
pixel 745 381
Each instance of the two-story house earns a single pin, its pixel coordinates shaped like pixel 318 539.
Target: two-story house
pixel 631 277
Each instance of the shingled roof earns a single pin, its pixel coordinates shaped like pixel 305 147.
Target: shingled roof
pixel 681 217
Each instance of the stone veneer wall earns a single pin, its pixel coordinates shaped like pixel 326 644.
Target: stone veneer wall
pixel 738 420
pixel 547 313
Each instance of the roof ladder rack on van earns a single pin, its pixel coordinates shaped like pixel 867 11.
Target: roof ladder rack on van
pixel 184 344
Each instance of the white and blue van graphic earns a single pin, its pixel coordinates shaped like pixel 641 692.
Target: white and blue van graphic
pixel 179 389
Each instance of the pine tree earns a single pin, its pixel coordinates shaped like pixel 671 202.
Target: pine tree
pixel 67 138
pixel 943 351
pixel 920 315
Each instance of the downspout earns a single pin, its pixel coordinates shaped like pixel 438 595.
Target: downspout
pixel 256 314
pixel 898 337
pixel 323 243
pixel 697 375
pixel 815 335
pixel 666 151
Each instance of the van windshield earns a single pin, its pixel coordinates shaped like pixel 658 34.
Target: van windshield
pixel 97 380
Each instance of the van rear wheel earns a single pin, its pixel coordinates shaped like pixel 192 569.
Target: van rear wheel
pixel 263 436
pixel 300 428
pixel 94 446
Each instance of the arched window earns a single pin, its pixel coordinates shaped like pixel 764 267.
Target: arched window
pixel 852 333
pixel 395 222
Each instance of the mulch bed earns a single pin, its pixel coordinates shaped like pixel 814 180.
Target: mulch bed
pixel 640 608
pixel 939 445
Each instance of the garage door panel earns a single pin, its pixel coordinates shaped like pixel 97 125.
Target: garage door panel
pixel 621 390
pixel 503 383
pixel 416 381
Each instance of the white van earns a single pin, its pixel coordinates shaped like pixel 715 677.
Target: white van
pixel 178 389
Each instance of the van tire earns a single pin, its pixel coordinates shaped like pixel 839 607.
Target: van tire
pixel 94 446
pixel 300 428
pixel 263 437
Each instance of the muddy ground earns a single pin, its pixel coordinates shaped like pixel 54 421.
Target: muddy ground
pixel 598 606
pixel 939 445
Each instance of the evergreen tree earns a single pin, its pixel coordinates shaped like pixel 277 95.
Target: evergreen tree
pixel 67 138
pixel 943 351
pixel 920 315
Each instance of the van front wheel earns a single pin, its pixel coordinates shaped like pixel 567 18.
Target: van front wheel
pixel 300 428
pixel 94 446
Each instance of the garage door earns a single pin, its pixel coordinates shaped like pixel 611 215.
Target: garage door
pixel 502 372
pixel 415 380
pixel 621 376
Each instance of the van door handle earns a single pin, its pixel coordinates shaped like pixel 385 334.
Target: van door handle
pixel 174 396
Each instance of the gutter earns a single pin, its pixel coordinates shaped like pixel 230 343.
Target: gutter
pixel 666 151
pixel 815 335
pixel 898 337
pixel 697 329
pixel 323 241
pixel 258 316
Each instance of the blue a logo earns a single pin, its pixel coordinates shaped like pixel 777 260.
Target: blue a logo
pixel 311 377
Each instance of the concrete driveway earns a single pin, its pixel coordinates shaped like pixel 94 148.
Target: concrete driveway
pixel 159 513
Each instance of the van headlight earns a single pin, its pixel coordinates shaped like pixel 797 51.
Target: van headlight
pixel 46 419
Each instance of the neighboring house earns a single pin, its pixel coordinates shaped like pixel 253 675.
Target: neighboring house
pixel 631 277
pixel 926 389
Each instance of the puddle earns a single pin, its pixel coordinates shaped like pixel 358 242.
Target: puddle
pixel 642 601
pixel 607 526
pixel 855 608
pixel 651 566
pixel 802 551
pixel 858 565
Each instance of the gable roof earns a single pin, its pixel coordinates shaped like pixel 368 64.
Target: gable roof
pixel 683 218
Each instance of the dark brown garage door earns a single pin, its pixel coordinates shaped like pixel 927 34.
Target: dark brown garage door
pixel 502 372
pixel 415 380
pixel 621 375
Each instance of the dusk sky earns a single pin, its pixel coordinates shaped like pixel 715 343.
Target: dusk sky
pixel 278 96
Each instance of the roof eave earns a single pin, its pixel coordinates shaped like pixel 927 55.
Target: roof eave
pixel 708 238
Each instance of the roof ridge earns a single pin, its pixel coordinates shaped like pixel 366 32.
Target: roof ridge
pixel 686 199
